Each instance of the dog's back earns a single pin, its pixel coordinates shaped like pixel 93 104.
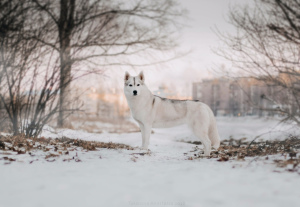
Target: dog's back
pixel 198 116
pixel 169 112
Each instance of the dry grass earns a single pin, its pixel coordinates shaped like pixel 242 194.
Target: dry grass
pixel 52 148
pixel 21 144
pixel 240 149
pixel 233 148
pixel 229 149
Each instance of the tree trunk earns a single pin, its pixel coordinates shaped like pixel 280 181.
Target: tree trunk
pixel 64 96
pixel 16 129
pixel 65 27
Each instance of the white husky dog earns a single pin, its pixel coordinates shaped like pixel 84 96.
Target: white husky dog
pixel 157 112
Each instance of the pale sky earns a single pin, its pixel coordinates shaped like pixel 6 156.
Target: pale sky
pixel 204 16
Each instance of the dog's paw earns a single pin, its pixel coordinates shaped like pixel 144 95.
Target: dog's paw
pixel 203 154
pixel 144 148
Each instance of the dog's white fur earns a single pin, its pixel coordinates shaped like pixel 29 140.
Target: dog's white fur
pixel 151 111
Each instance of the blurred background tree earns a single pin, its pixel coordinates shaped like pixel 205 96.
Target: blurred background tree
pixel 46 44
pixel 28 82
pixel 266 47
pixel 86 31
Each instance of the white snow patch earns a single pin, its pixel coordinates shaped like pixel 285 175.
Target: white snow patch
pixel 164 178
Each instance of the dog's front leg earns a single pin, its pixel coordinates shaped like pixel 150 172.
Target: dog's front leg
pixel 146 131
pixel 143 133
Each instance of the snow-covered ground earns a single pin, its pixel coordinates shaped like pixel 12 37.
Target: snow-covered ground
pixel 164 177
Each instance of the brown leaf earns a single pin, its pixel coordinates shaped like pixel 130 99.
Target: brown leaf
pixel 223 159
pixel 2 145
pixel 21 152
pixel 51 155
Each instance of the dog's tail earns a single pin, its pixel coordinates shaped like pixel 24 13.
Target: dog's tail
pixel 213 133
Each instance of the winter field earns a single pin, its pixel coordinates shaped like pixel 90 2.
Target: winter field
pixel 172 173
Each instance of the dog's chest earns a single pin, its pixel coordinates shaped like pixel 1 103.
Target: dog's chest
pixel 139 114
pixel 139 111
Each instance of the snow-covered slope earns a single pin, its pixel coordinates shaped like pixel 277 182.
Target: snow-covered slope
pixel 165 177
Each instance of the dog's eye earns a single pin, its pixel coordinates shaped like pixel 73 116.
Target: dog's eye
pixel 138 84
pixel 130 85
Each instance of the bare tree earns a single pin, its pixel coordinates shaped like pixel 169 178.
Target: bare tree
pixel 29 70
pixel 266 47
pixel 11 25
pixel 104 32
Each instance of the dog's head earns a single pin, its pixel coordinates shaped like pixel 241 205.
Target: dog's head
pixel 134 85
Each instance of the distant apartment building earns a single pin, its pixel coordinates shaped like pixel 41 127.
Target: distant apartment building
pixel 241 97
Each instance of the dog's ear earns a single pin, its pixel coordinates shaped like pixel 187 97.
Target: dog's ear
pixel 126 77
pixel 141 76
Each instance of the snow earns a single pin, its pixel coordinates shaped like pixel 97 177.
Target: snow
pixel 252 127
pixel 165 177
pixel 229 127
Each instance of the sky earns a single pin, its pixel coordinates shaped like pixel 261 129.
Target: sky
pixel 199 38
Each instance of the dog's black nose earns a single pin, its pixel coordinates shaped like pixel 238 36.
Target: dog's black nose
pixel 135 92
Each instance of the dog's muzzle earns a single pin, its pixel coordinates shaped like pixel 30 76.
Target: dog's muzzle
pixel 134 93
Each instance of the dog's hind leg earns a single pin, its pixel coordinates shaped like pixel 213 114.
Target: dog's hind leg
pixel 206 142
pixel 202 133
